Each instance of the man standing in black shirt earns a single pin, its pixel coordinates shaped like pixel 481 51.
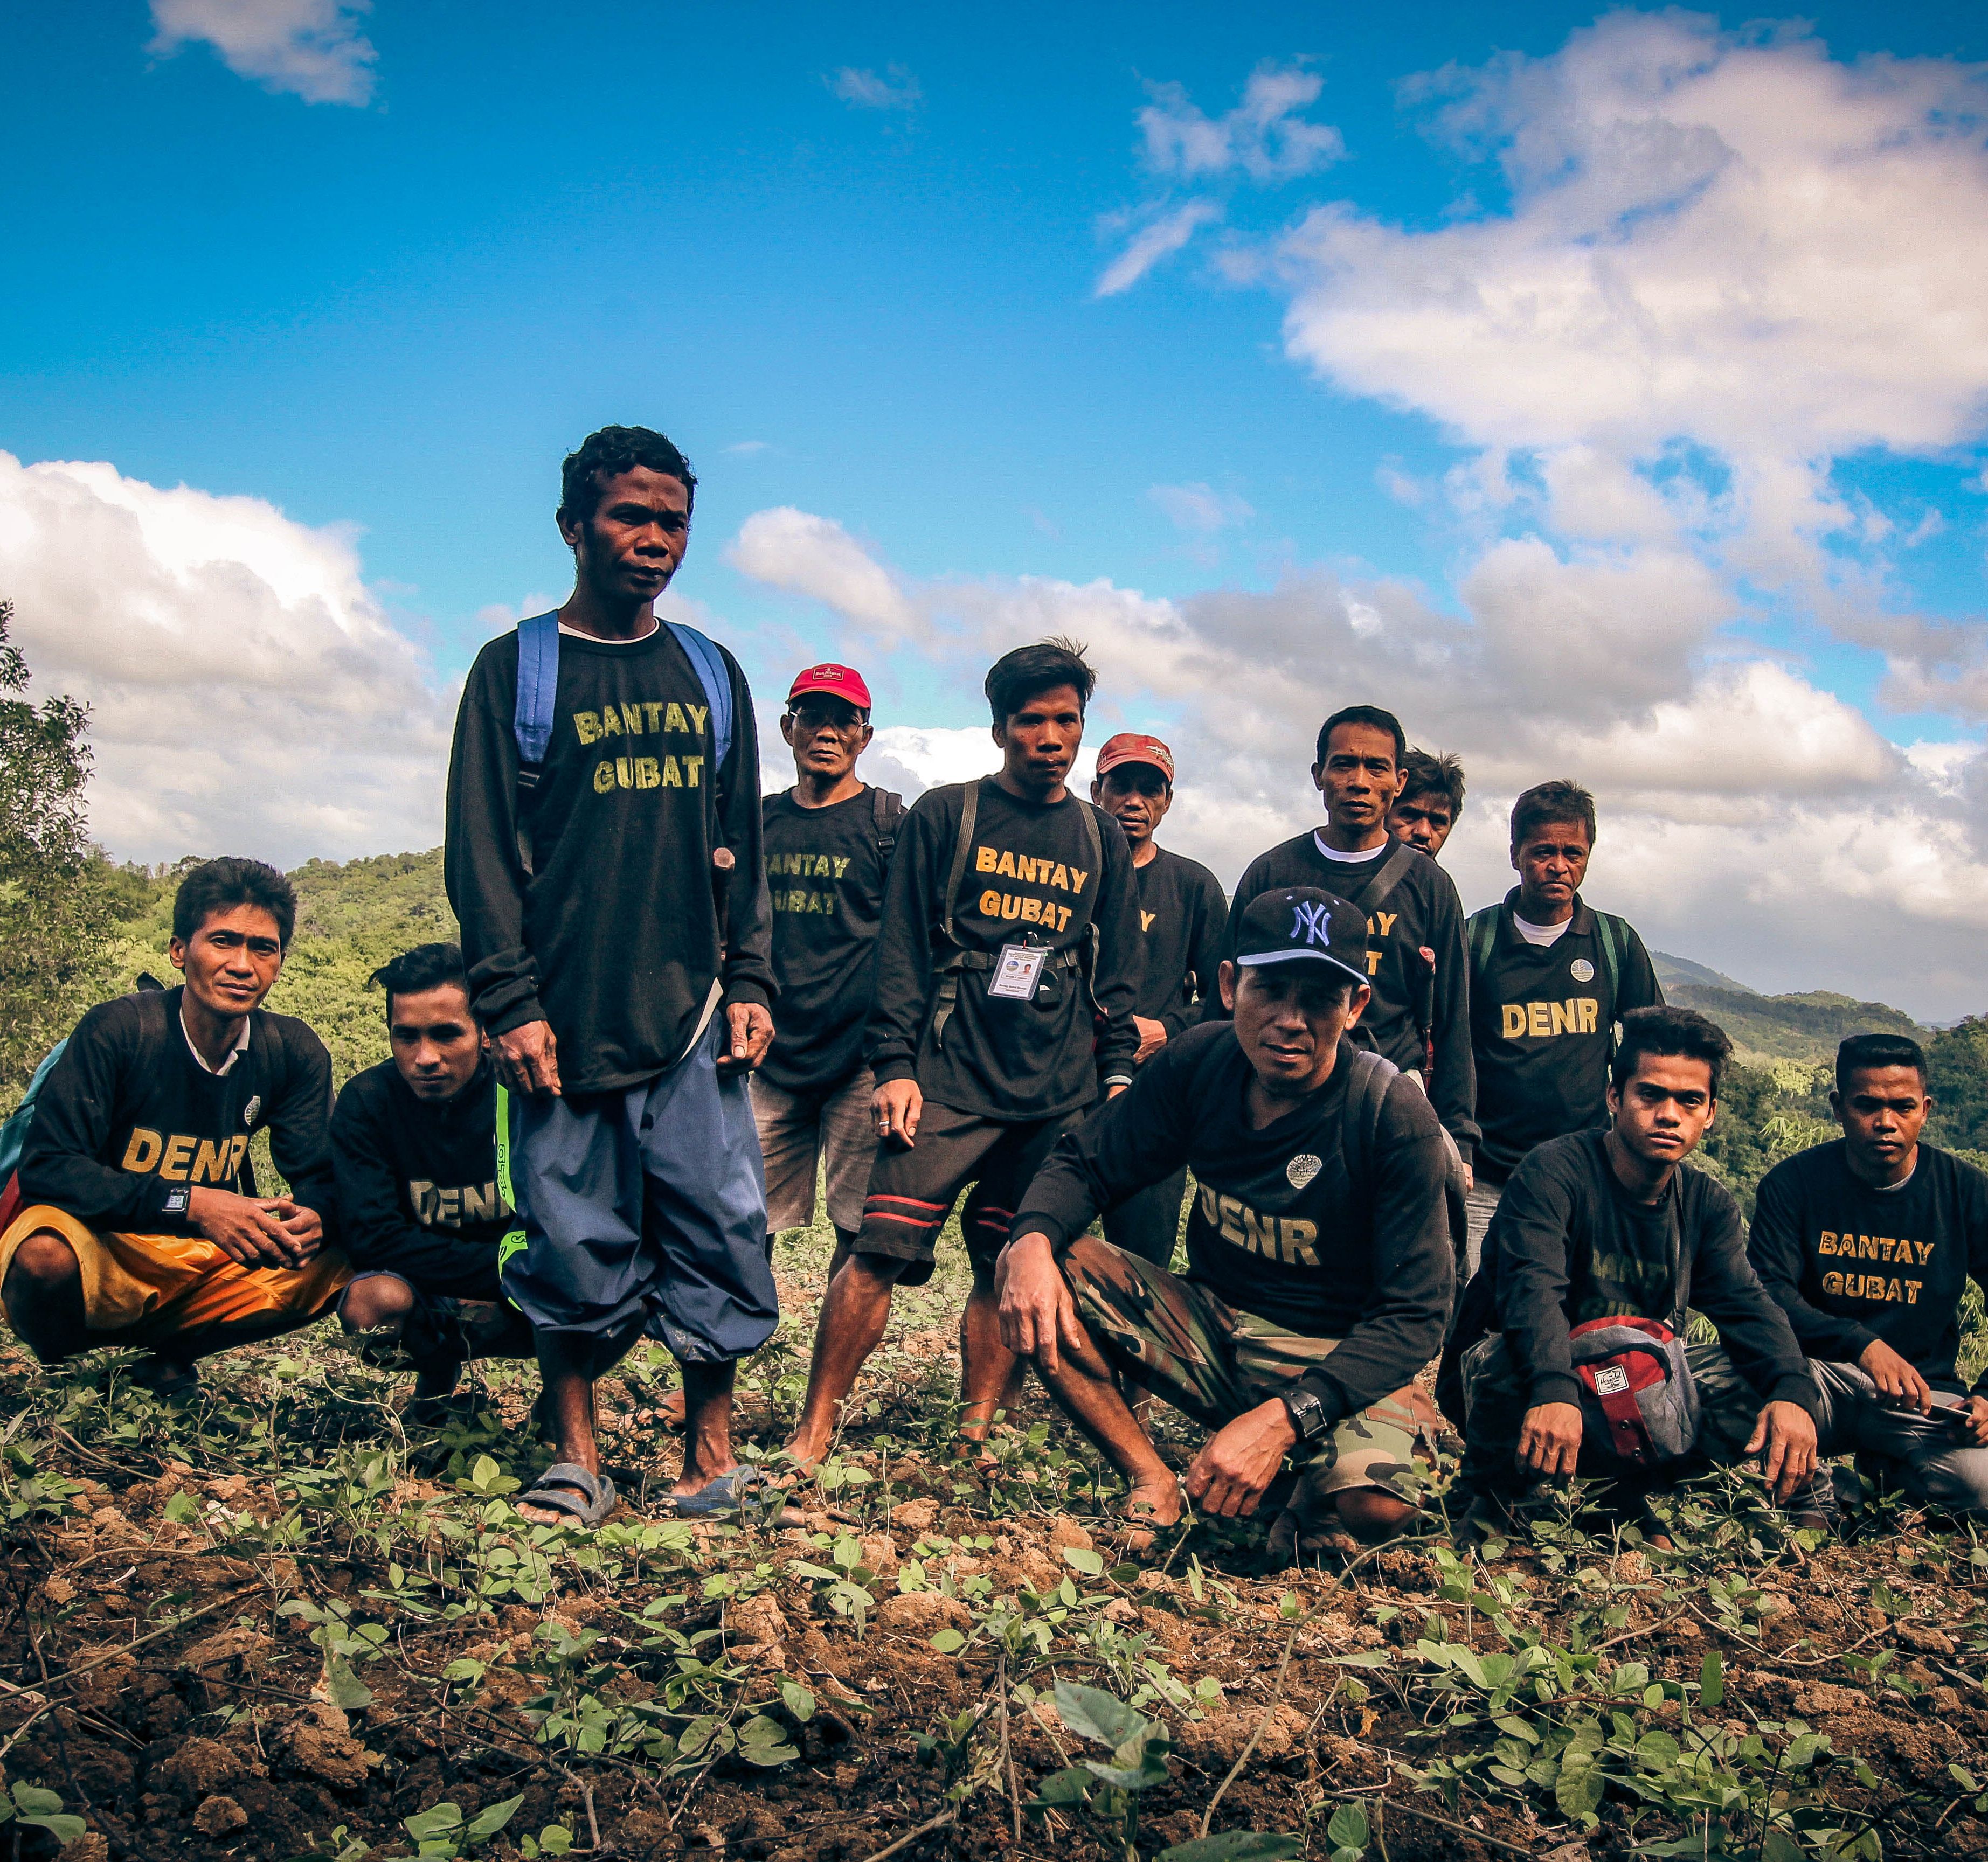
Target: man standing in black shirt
pixel 142 1225
pixel 1549 980
pixel 421 1211
pixel 1599 1250
pixel 1183 914
pixel 1420 1015
pixel 1007 973
pixel 1425 813
pixel 603 861
pixel 1869 1243
pixel 828 842
pixel 1320 1265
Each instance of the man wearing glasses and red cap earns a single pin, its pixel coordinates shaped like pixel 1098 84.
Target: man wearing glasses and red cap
pixel 828 842
pixel 1183 913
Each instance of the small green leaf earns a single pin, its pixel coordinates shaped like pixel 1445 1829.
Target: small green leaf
pixel 31 1800
pixel 1348 1827
pixel 1778 1845
pixel 798 1700
pixel 438 1819
pixel 1963 1777
pixel 1071 1785
pixel 1712 1681
pixel 1092 1714
pixel 1579 1791
pixel 949 1642
pixel 486 1823
pixel 63 1829
pixel 555 1839
pixel 1233 1846
pixel 182 1507
pixel 346 1690
pixel 1088 1562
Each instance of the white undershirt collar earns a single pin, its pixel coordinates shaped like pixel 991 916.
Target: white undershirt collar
pixel 641 640
pixel 1542 935
pixel 235 1053
pixel 1346 860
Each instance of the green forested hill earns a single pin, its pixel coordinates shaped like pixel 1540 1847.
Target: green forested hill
pixel 1804 1027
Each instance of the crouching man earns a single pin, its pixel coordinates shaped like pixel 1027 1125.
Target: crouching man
pixel 143 1226
pixel 1879 1313
pixel 1570 1355
pixel 1319 1248
pixel 422 1213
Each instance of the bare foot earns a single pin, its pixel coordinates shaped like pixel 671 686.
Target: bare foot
pixel 670 1411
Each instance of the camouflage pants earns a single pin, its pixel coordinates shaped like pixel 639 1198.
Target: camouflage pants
pixel 1495 1403
pixel 1212 1363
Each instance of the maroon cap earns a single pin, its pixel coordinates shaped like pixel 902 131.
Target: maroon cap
pixel 843 682
pixel 1130 747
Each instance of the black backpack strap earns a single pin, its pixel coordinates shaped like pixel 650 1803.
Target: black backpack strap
pixel 887 810
pixel 1384 879
pixel 1480 936
pixel 953 960
pixel 1366 1085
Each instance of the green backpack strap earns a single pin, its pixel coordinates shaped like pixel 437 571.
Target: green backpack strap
pixel 1480 935
pixel 1612 933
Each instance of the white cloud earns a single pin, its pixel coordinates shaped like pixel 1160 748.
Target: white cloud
pixel 1750 820
pixel 313 48
pixel 246 693
pixel 744 449
pixel 815 557
pixel 1159 239
pixel 1199 509
pixel 894 89
pixel 1264 137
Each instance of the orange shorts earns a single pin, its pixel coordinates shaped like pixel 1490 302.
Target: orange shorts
pixel 149 1288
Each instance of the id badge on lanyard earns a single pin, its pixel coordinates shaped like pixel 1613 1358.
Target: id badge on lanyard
pixel 1019 972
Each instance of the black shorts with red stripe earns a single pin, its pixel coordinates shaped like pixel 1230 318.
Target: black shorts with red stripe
pixel 912 1190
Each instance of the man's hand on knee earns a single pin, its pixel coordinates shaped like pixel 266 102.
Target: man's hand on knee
pixel 1549 1439
pixel 243 1227
pixel 1038 1316
pixel 1786 1431
pixel 1241 1460
pixel 1977 1421
pixel 1897 1378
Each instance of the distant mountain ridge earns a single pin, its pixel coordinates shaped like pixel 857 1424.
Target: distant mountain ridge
pixel 1764 1029
pixel 1680 972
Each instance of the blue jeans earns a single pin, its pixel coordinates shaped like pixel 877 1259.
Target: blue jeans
pixel 644 1211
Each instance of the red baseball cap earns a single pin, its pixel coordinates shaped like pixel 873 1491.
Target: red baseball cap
pixel 1130 747
pixel 843 682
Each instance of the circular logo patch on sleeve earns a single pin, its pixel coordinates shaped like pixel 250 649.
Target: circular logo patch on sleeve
pixel 1302 1169
pixel 1584 971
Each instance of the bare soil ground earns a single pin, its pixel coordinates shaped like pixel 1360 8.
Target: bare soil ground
pixel 274 1623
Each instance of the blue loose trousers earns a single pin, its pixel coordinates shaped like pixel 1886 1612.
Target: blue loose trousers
pixel 644 1211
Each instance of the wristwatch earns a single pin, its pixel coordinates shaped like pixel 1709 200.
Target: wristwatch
pixel 1306 1413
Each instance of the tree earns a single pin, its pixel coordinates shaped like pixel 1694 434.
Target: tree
pixel 56 914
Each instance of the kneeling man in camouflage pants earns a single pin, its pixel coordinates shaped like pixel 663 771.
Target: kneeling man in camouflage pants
pixel 1320 1265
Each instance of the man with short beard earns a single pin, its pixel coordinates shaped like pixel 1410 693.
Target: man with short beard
pixel 1183 913
pixel 1869 1243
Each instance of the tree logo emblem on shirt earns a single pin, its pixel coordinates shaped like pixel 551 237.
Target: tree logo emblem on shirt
pixel 1581 970
pixel 1302 1169
pixel 254 1106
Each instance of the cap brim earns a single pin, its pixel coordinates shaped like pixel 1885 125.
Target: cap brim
pixel 1270 956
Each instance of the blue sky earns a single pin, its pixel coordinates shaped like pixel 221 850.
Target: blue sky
pixel 851 261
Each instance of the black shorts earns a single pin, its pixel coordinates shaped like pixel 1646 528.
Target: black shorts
pixel 912 1190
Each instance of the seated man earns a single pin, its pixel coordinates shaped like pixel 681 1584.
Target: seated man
pixel 421 1213
pixel 142 1225
pixel 1320 1259
pixel 1878 1313
pixel 1599 1233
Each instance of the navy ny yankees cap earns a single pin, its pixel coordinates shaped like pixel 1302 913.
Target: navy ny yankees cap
pixel 1284 926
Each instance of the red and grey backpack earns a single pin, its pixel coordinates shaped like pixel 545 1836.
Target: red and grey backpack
pixel 1637 1400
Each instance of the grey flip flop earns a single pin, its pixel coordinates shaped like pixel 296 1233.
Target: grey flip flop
pixel 744 1493
pixel 567 1487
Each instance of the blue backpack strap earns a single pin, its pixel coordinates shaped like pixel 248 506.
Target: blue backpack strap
pixel 717 681
pixel 538 692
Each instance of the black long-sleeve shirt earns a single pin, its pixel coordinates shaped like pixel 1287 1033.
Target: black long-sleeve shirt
pixel 1278 1227
pixel 1569 1244
pixel 1031 877
pixel 1850 1264
pixel 1541 1022
pixel 1421 913
pixel 1183 915
pixel 613 936
pixel 128 1121
pixel 417 1191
